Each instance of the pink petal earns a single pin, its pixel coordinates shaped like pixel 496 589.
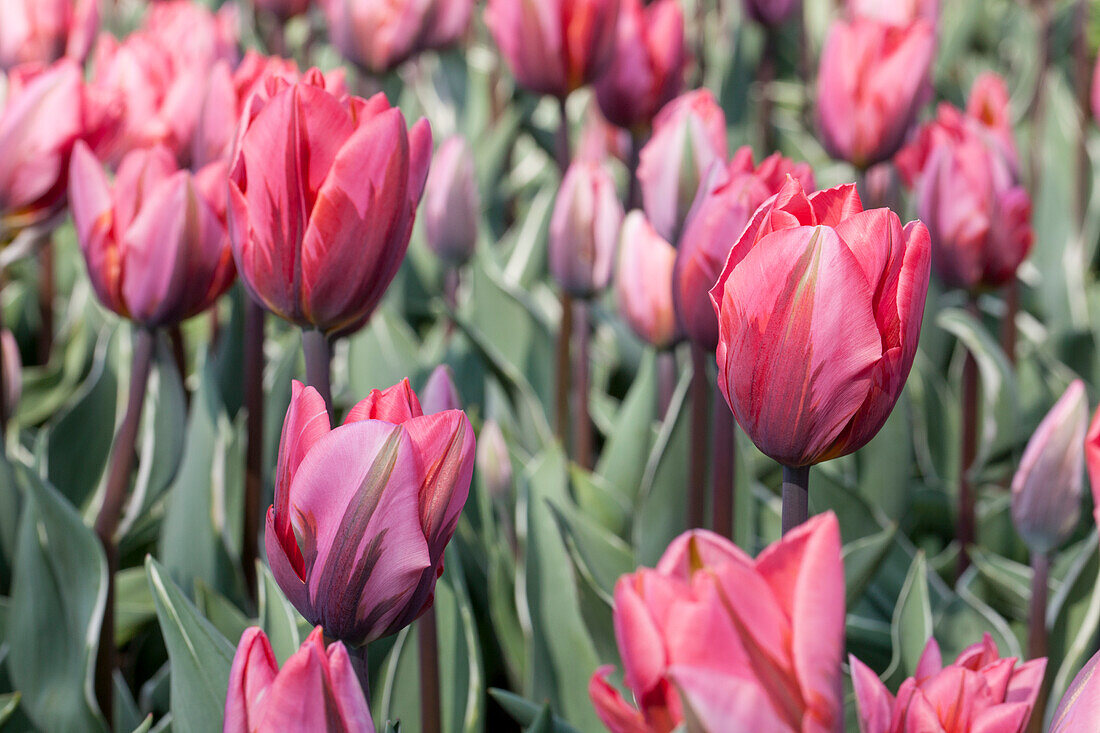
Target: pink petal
pixel 254 669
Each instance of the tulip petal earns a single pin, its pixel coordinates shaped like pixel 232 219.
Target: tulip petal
pixel 718 702
pixel 301 700
pixel 306 422
pixel 444 445
pixel 350 696
pixel 1080 706
pixel 396 405
pixel 613 710
pixel 873 700
pixel 254 669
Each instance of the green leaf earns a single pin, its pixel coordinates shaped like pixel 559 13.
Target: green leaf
pixel 1075 609
pixel 134 606
pixel 278 617
pixel 600 557
pixel 526 712
pixel 543 722
pixel 8 704
pixel 912 624
pixel 220 611
pixel 623 460
pixel 382 354
pixel 862 560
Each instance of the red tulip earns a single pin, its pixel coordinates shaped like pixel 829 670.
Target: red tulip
pixel 771 12
pixel 584 229
pixel 647 70
pixel 819 313
pixel 380 34
pixel 1080 707
pixel 896 12
pixel 689 136
pixel 870 86
pixel 643 283
pixel 316 690
pixel 363 512
pixel 979 692
pixel 554 46
pixel 452 204
pixel 723 207
pixel 323 192
pixel 42 31
pixel 714 636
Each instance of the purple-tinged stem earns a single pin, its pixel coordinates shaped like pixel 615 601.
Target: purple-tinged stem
pixel 1037 644
pixel 428 650
pixel 318 352
pixel 46 289
pixel 723 465
pixel 582 420
pixel 697 468
pixel 254 316
pixel 964 531
pixel 796 496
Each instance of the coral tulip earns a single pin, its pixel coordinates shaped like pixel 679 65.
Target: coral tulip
pixel 584 229
pixel 1080 707
pixel 452 204
pixel 42 31
pixel 643 283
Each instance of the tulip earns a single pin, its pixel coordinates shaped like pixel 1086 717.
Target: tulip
pixel 600 140
pixel 42 31
pixel 12 366
pixel 1080 707
pixel 379 34
pixel 156 249
pixel 643 283
pixel 554 46
pixel 440 393
pixel 647 70
pixel 452 204
pixel 283 9
pixel 316 690
pixel 1092 462
pixel 363 512
pixel 979 692
pixel 771 12
pixel 689 136
pixel 319 244
pixel 714 637
pixel 896 12
pixel 819 313
pixel 724 206
pixel 584 229
pixel 1046 490
pixel 870 86
pixel 493 460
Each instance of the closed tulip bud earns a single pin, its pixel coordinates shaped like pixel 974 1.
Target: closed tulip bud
pixel 712 636
pixel 819 313
pixel 42 31
pixel 316 690
pixel 584 229
pixel 870 86
pixel 771 12
pixel 689 136
pixel 380 34
pixel 979 692
pixel 452 204
pixel 725 203
pixel 318 244
pixel 283 9
pixel 1046 490
pixel 643 283
pixel 647 70
pixel 554 46
pixel 440 393
pixel 896 12
pixel 1080 706
pixel 155 246
pixel 13 374
pixel 493 461
pixel 363 512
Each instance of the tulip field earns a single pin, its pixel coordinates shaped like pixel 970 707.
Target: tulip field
pixel 556 366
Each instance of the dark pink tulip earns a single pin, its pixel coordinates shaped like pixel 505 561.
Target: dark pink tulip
pixel 643 282
pixel 870 86
pixel 819 313
pixel 979 692
pixel 363 512
pixel 714 636
pixel 723 207
pixel 689 136
pixel 452 204
pixel 647 70
pixel 283 9
pixel 584 229
pixel 1080 706
pixel 896 12
pixel 440 393
pixel 554 46
pixel 380 34
pixel 323 193
pixel 155 245
pixel 42 31
pixel 771 12
pixel 316 690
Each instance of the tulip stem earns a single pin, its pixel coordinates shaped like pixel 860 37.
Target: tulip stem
pixel 46 290
pixel 318 352
pixel 428 648
pixel 561 387
pixel 1011 293
pixel 582 429
pixel 796 496
pixel 964 531
pixel 361 665
pixel 1037 627
pixel 697 469
pixel 562 153
pixel 634 190
pixel 724 464
pixel 666 380
pixel 254 455
pixel 106 523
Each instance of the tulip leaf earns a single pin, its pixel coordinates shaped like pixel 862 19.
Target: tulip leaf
pixel 220 611
pixel 278 617
pixel 1074 617
pixel 134 606
pixel 1004 580
pixel 146 725
pixel 600 500
pixel 527 258
pixel 199 654
pixel 886 464
pixel 600 557
pixel 862 560
pixel 526 712
pixel 912 623
pixel 127 717
pixel 10 502
pixel 502 610
pixel 623 460
pixel 543 722
pixel 8 703
pixel 383 353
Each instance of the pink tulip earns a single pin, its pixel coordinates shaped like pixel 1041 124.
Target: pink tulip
pixel 316 690
pixel 155 246
pixel 440 393
pixel 584 229
pixel 713 636
pixel 979 692
pixel 379 34
pixel 554 46
pixel 1080 707
pixel 1046 490
pixel 13 374
pixel 896 12
pixel 819 313
pixel 771 12
pixel 689 136
pixel 870 86
pixel 725 203
pixel 363 512
pixel 323 193
pixel 42 31
pixel 643 282
pixel 452 204
pixel 647 70
pixel 1092 462
pixel 283 9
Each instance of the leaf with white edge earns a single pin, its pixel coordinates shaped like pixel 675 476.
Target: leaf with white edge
pixel 912 624
pixel 278 617
pixel 623 460
pixel 862 560
pixel 8 704
pixel 526 712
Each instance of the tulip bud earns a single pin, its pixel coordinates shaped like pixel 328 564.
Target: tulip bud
pixel 42 31
pixel 819 313
pixel 643 284
pixel 689 136
pixel 493 461
pixel 584 229
pixel 554 46
pixel 1046 490
pixel 13 374
pixel 440 393
pixel 1080 706
pixel 452 204
pixel 771 12
pixel 316 690
pixel 318 246
pixel 870 86
pixel 647 70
